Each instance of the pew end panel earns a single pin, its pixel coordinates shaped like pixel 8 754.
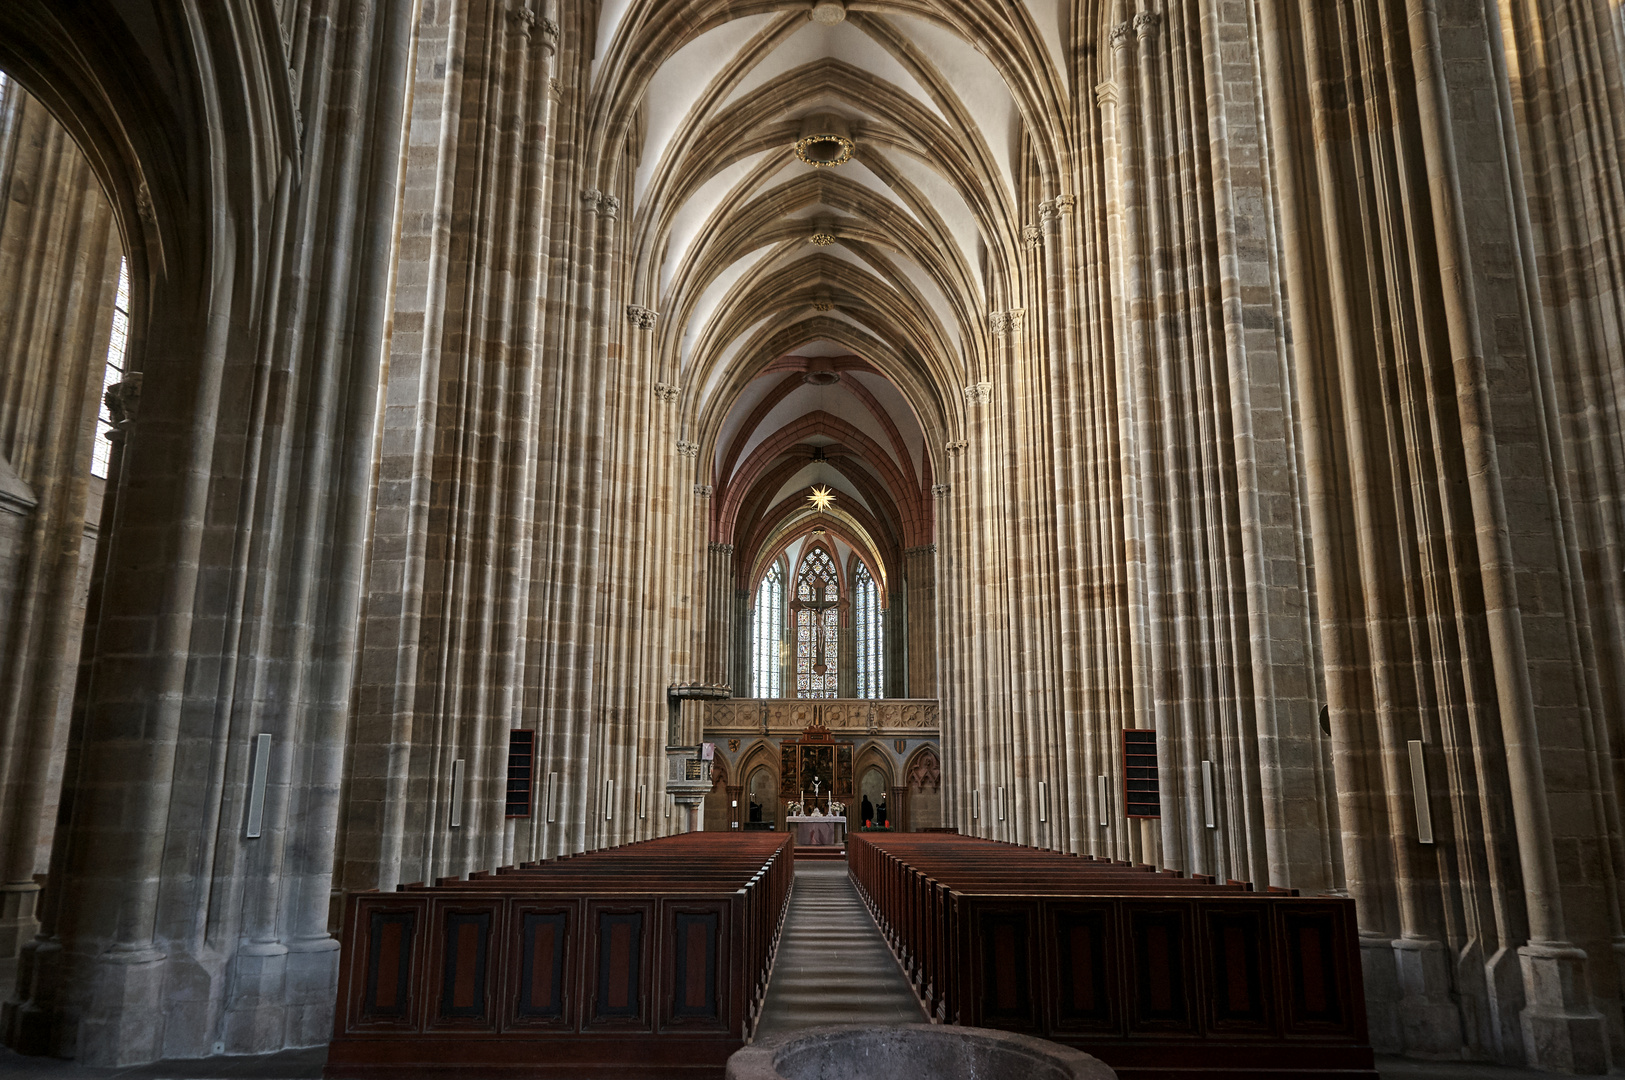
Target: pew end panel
pixel 622 960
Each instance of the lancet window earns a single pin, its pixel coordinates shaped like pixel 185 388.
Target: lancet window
pixel 818 621
pixel 869 633
pixel 767 671
pixel 101 455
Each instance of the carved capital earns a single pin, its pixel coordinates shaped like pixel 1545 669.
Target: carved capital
pixel 123 400
pixel 550 34
pixel 956 447
pixel 979 393
pixel 1046 211
pixel 1032 236
pixel 704 491
pixel 590 198
pixel 609 207
pixel 641 317
pixel 1065 204
pixel 997 322
pixel 940 491
pixel 721 549
pixel 667 393
pixel 688 449
pixel 522 18
pixel 1018 319
pixel 1146 23
pixel 1119 35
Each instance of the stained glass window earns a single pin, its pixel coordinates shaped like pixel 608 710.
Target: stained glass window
pixel 767 678
pixel 102 454
pixel 870 634
pixel 818 625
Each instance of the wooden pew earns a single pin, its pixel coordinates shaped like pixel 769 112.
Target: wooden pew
pixel 1157 974
pixel 648 960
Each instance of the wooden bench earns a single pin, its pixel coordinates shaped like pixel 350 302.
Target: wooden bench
pixel 1157 974
pixel 648 960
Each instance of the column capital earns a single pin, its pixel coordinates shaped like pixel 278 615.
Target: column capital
pixel 123 400
pixel 641 317
pixel 688 449
pixel 667 393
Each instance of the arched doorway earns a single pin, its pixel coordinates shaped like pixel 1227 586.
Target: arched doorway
pixel 762 791
pixel 873 807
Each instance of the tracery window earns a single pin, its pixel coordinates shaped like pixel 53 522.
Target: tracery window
pixel 818 623
pixel 870 634
pixel 101 454
pixel 767 673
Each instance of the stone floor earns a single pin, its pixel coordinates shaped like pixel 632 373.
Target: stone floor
pixel 833 967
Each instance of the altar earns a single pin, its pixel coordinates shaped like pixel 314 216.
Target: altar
pixel 818 830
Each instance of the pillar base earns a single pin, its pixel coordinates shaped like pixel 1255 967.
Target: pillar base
pixel 29 1023
pixel 257 1012
pixel 125 1019
pixel 19 902
pixel 1381 977
pixel 312 988
pixel 1561 1031
pixel 1429 1018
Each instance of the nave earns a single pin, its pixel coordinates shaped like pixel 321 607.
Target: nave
pixel 444 436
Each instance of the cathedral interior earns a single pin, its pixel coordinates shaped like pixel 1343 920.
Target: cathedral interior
pixel 439 436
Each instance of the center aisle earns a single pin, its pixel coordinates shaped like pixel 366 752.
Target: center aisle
pixel 833 967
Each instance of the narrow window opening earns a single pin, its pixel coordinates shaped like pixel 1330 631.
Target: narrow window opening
pixel 870 634
pixel 767 673
pixel 102 455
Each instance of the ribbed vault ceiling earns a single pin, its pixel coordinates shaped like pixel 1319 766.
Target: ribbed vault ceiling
pixel 823 321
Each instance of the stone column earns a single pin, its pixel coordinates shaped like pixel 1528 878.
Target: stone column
pixel 719 605
pixel 920 583
pixel 59 270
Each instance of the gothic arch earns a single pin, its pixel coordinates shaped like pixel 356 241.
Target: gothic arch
pixel 923 770
pixel 760 755
pixel 873 755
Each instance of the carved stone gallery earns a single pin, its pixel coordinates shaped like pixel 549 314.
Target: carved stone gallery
pixel 471 470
